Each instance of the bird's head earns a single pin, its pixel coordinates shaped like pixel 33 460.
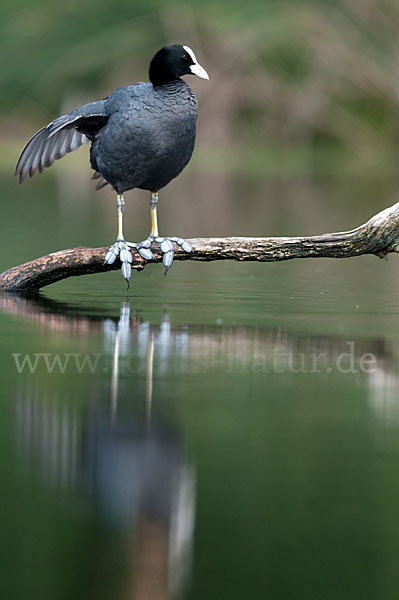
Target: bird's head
pixel 171 62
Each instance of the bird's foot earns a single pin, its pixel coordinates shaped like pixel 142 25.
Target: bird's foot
pixel 166 246
pixel 121 249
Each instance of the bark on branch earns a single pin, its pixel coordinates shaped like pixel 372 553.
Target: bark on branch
pixel 379 236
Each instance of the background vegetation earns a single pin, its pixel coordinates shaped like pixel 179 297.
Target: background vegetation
pixel 295 85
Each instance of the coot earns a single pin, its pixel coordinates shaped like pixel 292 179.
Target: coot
pixel 142 136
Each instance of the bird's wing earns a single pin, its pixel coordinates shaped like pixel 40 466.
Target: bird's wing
pixel 59 137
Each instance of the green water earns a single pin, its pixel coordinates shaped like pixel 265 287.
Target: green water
pixel 230 431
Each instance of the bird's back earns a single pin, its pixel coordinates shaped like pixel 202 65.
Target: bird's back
pixel 149 137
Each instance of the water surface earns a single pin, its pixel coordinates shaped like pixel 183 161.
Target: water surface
pixel 230 431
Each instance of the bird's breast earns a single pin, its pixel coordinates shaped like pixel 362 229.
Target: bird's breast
pixel 148 140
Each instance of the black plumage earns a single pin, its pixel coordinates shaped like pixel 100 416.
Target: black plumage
pixel 142 135
pixel 163 119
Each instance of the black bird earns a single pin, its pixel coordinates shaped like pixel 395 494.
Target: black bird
pixel 142 136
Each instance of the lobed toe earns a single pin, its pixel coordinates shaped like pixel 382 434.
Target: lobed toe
pixel 110 257
pixel 125 255
pixel 126 270
pixel 146 253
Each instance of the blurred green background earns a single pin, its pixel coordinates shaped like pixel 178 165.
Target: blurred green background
pixel 296 86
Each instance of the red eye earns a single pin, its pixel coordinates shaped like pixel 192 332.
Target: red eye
pixel 185 57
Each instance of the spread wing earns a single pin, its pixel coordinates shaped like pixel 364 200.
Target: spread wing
pixel 59 137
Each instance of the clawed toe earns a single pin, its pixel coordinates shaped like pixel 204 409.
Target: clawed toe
pixel 166 247
pixel 143 248
pixel 168 252
pixel 121 249
pixel 184 245
pixel 146 253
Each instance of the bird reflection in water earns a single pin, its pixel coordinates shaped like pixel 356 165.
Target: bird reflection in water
pixel 132 465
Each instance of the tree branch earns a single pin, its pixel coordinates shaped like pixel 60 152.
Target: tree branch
pixel 379 236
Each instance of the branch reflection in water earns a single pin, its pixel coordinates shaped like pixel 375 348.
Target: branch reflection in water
pixel 133 466
pixel 136 345
pixel 124 455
